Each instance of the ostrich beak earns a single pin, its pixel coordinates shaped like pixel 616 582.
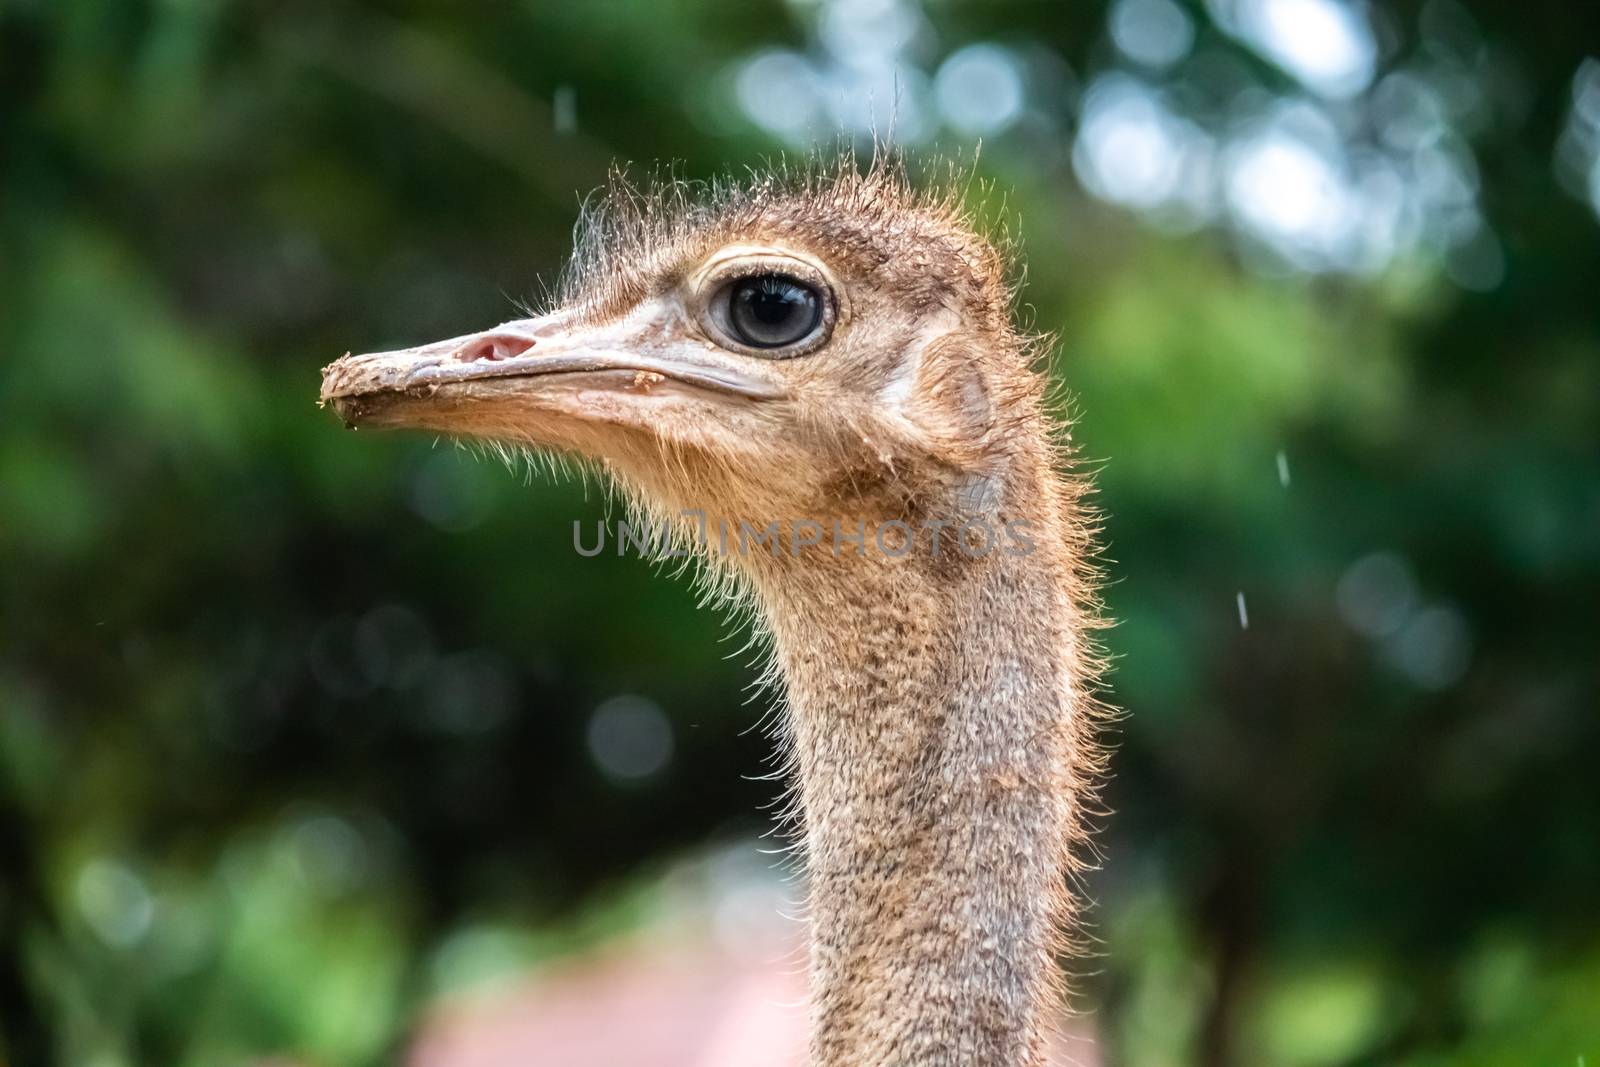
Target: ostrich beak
pixel 554 362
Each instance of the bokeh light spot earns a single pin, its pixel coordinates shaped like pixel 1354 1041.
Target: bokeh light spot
pixel 1156 33
pixel 1434 649
pixel 1132 149
pixel 778 91
pixel 979 89
pixel 468 693
pixel 1326 45
pixel 115 901
pixel 630 738
pixel 1377 594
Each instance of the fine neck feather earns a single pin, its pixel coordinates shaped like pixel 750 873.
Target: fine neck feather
pixel 937 714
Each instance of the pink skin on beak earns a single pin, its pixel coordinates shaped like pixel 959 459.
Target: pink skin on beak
pixel 361 388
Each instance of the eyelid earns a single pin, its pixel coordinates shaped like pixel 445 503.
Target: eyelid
pixel 718 277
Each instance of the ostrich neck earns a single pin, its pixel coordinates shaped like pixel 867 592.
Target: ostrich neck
pixel 930 710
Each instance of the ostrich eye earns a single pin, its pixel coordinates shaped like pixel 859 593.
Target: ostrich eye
pixel 772 311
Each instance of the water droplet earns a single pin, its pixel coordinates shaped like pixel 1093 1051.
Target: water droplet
pixel 564 109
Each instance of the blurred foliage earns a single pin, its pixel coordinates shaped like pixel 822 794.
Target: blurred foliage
pixel 295 725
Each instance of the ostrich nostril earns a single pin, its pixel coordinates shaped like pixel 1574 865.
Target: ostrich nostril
pixel 493 347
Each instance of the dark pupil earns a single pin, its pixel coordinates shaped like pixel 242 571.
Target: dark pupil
pixel 772 310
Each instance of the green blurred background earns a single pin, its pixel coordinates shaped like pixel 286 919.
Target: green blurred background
pixel 301 730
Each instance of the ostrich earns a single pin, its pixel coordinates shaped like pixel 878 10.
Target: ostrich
pixel 816 380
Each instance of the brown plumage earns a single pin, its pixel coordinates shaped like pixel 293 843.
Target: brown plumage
pixel 940 700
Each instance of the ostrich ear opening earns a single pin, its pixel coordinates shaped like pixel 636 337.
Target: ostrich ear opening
pixel 953 402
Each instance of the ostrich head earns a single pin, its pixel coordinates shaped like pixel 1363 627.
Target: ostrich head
pixel 795 348
pixel 839 350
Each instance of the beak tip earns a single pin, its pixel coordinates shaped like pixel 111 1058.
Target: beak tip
pixel 341 388
pixel 348 376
